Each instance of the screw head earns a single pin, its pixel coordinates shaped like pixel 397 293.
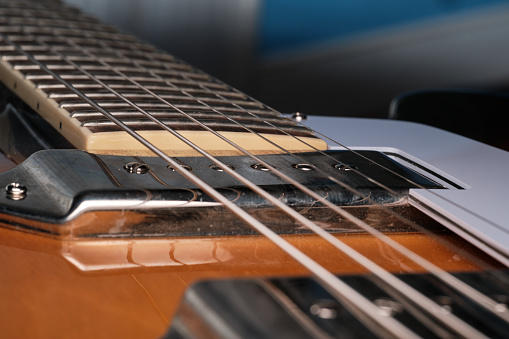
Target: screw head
pixel 297 116
pixel 15 191
pixel 135 167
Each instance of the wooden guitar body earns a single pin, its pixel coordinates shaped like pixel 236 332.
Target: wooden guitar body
pixel 93 242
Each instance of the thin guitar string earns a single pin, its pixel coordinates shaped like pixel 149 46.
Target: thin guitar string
pixel 409 222
pixel 436 271
pixel 452 322
pixel 90 75
pixel 339 289
pixel 405 220
pixel 295 215
pixel 357 303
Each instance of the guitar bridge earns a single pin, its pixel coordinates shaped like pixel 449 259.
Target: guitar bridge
pixel 55 190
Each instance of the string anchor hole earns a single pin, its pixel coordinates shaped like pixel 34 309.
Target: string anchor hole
pixel 260 167
pixel 304 167
pixel 325 309
pixel 345 167
pixel 388 307
pixel 136 168
pixel 171 168
pixel 219 169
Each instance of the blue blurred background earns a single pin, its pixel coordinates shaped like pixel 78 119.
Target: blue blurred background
pixel 327 57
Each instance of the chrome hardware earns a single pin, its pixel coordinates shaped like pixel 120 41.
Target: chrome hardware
pixel 135 167
pixel 66 183
pixel 260 167
pixel 304 167
pixel 219 169
pixel 344 167
pixel 388 307
pixel 15 191
pixel 297 116
pixel 325 309
pixel 183 166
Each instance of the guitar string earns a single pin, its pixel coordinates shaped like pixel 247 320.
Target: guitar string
pixel 169 104
pixel 358 304
pixel 444 276
pixel 405 220
pixel 57 78
pixel 480 262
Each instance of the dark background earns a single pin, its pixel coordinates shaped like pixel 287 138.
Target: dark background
pixel 328 57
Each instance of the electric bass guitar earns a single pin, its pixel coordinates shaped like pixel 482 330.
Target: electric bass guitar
pixel 141 197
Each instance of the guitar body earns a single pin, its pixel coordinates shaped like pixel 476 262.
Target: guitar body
pixel 117 258
pixel 58 287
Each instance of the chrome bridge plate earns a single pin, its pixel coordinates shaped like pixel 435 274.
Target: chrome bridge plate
pixel 57 186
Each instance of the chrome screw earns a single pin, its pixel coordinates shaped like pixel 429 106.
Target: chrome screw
pixel 135 167
pixel 297 116
pixel 15 191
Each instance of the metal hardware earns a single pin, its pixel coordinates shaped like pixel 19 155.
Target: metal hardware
pixel 304 167
pixel 66 183
pixel 219 169
pixel 297 116
pixel 325 309
pixel 344 167
pixel 183 166
pixel 135 167
pixel 226 300
pixel 260 167
pixel 15 191
pixel 388 307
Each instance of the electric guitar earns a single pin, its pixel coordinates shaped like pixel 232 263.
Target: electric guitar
pixel 143 198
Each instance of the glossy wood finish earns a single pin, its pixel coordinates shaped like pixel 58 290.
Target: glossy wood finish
pixel 43 286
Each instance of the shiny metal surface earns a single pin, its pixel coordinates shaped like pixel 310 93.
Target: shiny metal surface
pixel 63 184
pixel 238 307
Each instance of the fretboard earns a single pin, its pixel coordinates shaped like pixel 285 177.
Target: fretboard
pixel 69 68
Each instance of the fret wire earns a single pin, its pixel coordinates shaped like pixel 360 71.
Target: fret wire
pixel 465 289
pixel 454 322
pixel 342 291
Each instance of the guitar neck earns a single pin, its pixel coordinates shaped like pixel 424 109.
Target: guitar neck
pixel 91 83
